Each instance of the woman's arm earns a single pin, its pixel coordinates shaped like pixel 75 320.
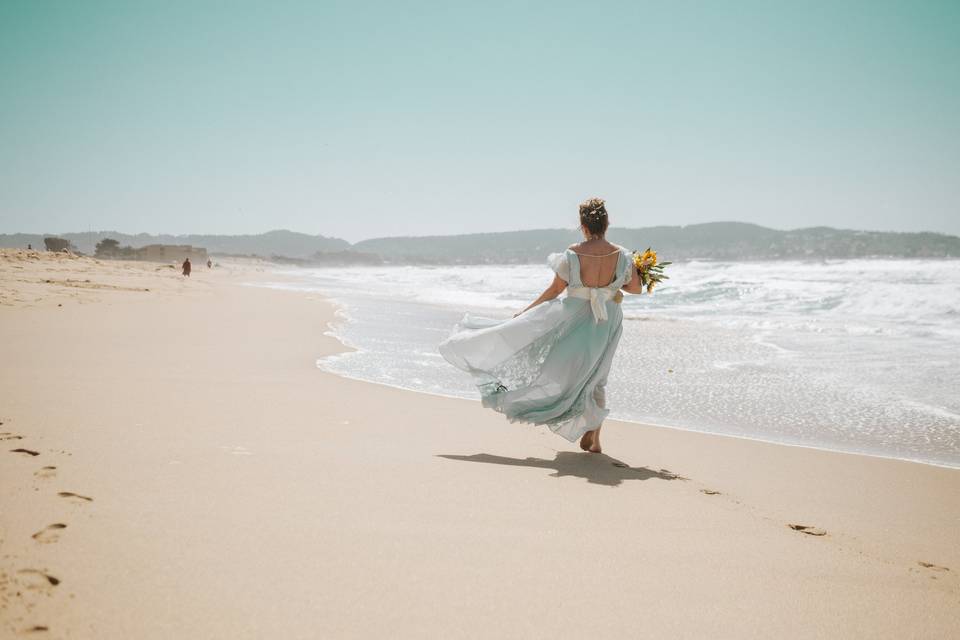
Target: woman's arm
pixel 556 288
pixel 634 285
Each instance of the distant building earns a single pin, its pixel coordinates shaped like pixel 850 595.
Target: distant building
pixel 171 253
pixel 56 244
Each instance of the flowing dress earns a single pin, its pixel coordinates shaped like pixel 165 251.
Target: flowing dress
pixel 548 365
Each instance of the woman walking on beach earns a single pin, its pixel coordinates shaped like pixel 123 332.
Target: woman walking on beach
pixel 549 364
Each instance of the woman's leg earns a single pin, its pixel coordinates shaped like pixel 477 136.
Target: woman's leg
pixel 591 441
pixel 600 397
pixel 595 442
pixel 586 441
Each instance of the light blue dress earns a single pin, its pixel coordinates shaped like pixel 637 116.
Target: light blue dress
pixel 548 365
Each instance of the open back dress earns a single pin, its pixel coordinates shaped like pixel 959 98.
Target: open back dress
pixel 548 365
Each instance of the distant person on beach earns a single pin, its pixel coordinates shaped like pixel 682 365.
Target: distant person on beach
pixel 29 247
pixel 209 264
pixel 186 267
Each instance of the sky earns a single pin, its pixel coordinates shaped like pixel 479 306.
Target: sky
pixel 361 120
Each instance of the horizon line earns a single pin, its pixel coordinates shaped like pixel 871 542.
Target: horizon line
pixel 474 233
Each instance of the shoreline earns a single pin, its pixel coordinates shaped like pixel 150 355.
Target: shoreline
pixel 348 348
pixel 212 482
pixel 655 425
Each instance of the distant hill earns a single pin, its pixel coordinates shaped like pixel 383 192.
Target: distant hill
pixel 280 242
pixel 474 248
pixel 711 241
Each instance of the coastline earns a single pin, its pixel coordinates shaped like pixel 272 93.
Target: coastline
pixel 342 317
pixel 654 425
pixel 238 491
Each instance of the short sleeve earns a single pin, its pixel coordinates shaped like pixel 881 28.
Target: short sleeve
pixel 560 264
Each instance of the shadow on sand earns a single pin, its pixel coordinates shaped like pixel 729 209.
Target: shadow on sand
pixel 595 468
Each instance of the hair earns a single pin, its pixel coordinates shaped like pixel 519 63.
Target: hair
pixel 593 216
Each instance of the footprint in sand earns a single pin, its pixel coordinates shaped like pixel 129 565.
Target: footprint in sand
pixel 26 451
pixel 37 628
pixel 807 529
pixel 931 566
pixel 34 579
pixel 50 533
pixel 74 496
pixel 45 472
pixel 6 435
pixel 710 492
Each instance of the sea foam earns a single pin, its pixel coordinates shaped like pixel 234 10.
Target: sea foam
pixel 851 355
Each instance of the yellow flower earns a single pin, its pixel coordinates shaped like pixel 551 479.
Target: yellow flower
pixel 643 261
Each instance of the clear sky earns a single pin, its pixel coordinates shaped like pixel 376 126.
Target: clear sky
pixel 361 120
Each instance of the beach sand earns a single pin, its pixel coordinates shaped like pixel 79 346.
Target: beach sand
pixel 174 465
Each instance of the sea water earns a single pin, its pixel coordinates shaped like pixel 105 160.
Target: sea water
pixel 850 355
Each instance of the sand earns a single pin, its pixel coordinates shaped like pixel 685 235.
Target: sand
pixel 196 476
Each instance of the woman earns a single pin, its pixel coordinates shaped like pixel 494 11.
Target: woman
pixel 549 364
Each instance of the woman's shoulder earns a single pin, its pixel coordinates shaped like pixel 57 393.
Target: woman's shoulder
pixel 612 248
pixel 573 248
pixel 616 248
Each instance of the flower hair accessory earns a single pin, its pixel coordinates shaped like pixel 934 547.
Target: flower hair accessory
pixel 594 208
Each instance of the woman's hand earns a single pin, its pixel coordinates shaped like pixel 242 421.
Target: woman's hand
pixel 555 289
pixel 634 285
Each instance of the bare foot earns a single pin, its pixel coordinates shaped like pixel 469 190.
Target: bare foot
pixel 586 441
pixel 595 442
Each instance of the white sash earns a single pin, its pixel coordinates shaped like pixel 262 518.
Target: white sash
pixel 598 297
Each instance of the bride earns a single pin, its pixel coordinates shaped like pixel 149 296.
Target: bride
pixel 549 363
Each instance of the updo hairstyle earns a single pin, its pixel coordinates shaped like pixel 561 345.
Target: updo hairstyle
pixel 593 216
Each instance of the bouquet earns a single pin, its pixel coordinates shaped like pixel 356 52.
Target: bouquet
pixel 649 270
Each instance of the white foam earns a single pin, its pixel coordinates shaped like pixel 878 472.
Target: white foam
pixel 817 354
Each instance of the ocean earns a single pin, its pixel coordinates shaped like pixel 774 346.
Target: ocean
pixel 858 356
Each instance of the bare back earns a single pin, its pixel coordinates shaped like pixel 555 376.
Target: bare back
pixel 598 262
